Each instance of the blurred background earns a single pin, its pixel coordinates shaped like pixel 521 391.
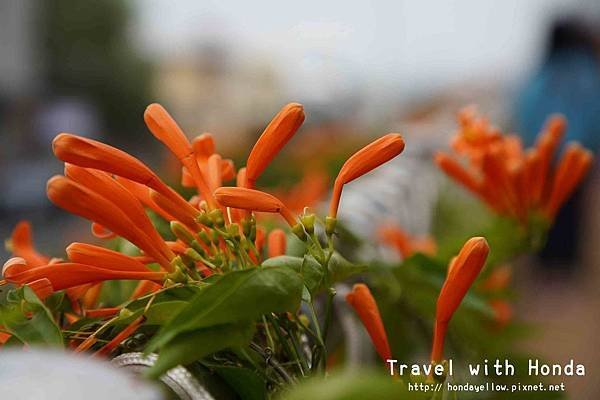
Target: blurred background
pixel 360 69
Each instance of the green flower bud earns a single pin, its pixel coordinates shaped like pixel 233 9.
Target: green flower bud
pixel 298 230
pixel 216 216
pixel 309 223
pixel 330 224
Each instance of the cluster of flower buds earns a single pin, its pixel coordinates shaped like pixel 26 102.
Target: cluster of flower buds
pixel 216 230
pixel 513 181
pixel 462 272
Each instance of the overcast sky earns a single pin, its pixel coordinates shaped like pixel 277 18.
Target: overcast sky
pixel 398 45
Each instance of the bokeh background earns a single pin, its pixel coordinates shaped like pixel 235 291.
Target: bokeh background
pixel 360 68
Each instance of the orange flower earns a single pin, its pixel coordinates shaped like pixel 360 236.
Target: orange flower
pixel 86 203
pixel 259 242
pixel 101 232
pixel 503 312
pixel 21 245
pixel 453 169
pixel 215 177
pixel 102 312
pixel 90 298
pixel 165 129
pixel 404 243
pixel 253 200
pixel 279 131
pixel 361 299
pixel 204 145
pixel 42 288
pixel 573 166
pixel 313 187
pixel 276 242
pixel 461 274
pixel 143 288
pixel 498 279
pixel 124 334
pixel 90 153
pixel 365 160
pixel 84 253
pixel 143 195
pixel 186 215
pixel 107 187
pixel 66 275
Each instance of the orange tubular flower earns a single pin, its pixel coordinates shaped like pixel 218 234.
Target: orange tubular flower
pixel 215 177
pixel 107 187
pixel 21 245
pixel 253 200
pixel 404 243
pixel 573 166
pixel 279 131
pixel 204 145
pixel 84 253
pixel 66 275
pixel 277 243
pixel 124 334
pixel 42 288
pixel 453 169
pixel 86 203
pixel 165 129
pixel 365 160
pixel 361 299
pixel 90 153
pixel 461 274
pixel 186 215
pixel 143 195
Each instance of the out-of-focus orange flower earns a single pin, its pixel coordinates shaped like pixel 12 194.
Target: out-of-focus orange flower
pixel 66 275
pixel 253 200
pixel 165 129
pixel 511 180
pixel 21 245
pixel 4 336
pixel 405 244
pixel 498 279
pixel 259 242
pixel 572 167
pixel 276 243
pixel 313 188
pixel 503 312
pixel 461 274
pixel 279 131
pixel 365 160
pixel 86 203
pixel 362 301
pixel 204 145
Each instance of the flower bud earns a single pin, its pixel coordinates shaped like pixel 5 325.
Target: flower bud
pixel 330 224
pixel 309 223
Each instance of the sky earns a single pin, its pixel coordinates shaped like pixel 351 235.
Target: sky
pixel 322 46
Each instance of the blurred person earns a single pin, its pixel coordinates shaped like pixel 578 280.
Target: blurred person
pixel 567 82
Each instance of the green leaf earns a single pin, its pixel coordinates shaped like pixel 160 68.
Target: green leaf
pixel 239 296
pixel 310 270
pixel 342 269
pixel 31 322
pixel 246 382
pixel 191 346
pixel 365 385
pixel 161 313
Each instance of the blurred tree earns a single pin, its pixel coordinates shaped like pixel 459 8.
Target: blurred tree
pixel 87 53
